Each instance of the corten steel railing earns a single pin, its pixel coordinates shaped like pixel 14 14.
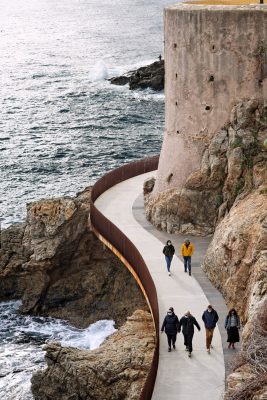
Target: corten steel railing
pixel 123 246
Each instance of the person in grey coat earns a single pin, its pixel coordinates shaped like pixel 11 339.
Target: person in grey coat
pixel 171 326
pixel 232 325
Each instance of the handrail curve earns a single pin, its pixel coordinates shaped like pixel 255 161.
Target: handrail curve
pixel 118 242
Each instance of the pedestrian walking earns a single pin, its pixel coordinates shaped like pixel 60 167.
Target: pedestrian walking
pixel 232 325
pixel 168 251
pixel 210 318
pixel 187 252
pixel 171 326
pixel 187 323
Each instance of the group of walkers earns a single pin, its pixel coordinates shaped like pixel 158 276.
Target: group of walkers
pixel 187 251
pixel 171 325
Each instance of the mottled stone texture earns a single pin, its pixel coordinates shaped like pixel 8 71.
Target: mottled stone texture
pixel 54 263
pixel 233 165
pixel 116 370
pixel 215 57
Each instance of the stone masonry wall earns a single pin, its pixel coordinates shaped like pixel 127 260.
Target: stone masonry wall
pixel 215 57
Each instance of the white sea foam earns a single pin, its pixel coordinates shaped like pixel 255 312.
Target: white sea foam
pixel 21 339
pixel 99 72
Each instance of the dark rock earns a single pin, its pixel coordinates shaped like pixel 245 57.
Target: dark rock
pixel 150 76
pixel 120 80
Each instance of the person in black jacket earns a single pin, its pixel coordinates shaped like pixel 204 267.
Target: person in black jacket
pixel 210 318
pixel 187 323
pixel 171 326
pixel 168 251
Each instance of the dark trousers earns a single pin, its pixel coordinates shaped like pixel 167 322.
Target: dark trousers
pixel 188 337
pixel 187 263
pixel 171 339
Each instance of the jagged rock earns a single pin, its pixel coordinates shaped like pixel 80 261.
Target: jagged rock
pixel 150 76
pixel 116 370
pixel 57 267
pixel 233 164
pixel 236 260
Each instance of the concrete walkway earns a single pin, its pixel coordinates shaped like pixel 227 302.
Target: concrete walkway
pixel 179 377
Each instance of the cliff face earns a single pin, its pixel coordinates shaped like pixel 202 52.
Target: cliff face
pixel 236 260
pixel 57 267
pixel 228 196
pixel 116 370
pixel 233 165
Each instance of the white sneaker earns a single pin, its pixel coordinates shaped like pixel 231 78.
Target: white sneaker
pixel 169 274
pixel 208 351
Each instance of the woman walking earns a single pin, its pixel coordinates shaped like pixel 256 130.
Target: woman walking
pixel 168 251
pixel 171 326
pixel 232 325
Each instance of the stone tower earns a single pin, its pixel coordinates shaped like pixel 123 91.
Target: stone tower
pixel 215 57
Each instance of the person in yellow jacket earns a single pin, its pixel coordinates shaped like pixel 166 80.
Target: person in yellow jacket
pixel 187 252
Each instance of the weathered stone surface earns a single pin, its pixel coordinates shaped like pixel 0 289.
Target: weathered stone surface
pixel 236 260
pixel 234 163
pixel 236 263
pixel 150 76
pixel 116 370
pixel 57 267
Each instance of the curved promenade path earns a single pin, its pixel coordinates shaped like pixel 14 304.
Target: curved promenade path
pixel 179 377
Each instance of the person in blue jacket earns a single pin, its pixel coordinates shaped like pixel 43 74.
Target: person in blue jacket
pixel 210 318
pixel 187 323
pixel 171 326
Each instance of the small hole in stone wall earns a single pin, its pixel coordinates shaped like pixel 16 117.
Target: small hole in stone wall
pixel 260 82
pixel 176 76
pixel 169 178
pixel 174 45
pixel 176 103
pixel 211 78
pixel 213 47
pixel 177 131
pixel 207 108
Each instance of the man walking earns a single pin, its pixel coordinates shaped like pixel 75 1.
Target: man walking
pixel 187 252
pixel 168 251
pixel 210 318
pixel 171 326
pixel 187 323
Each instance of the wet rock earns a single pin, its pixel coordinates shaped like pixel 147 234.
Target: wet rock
pixel 116 370
pixel 150 76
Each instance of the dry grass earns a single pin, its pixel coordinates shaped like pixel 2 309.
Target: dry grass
pixel 255 357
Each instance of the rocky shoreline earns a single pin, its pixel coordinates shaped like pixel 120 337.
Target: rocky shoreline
pixel 150 76
pixel 116 370
pixel 57 267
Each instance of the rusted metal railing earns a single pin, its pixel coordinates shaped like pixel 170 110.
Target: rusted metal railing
pixel 125 249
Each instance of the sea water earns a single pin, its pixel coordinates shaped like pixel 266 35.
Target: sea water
pixel 62 126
